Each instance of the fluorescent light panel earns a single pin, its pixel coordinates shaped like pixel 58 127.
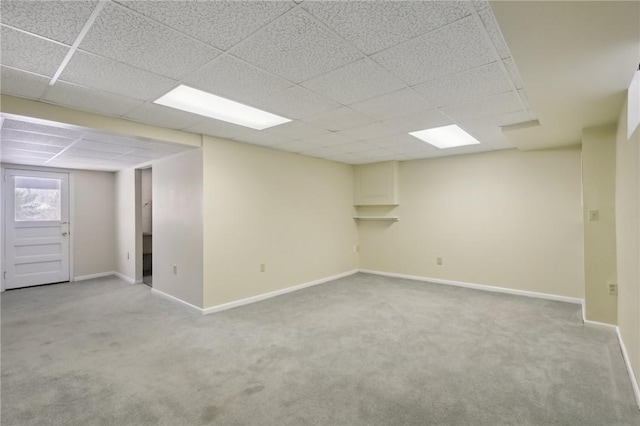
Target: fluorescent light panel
pixel 445 137
pixel 198 102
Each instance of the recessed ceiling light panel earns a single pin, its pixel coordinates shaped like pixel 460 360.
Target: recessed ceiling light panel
pixel 445 137
pixel 196 101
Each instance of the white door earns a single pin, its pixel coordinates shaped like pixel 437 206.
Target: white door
pixel 36 224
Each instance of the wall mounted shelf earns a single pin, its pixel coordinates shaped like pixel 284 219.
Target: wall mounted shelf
pixel 382 218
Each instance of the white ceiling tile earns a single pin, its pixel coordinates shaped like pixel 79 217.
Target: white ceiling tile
pixel 513 73
pixel 487 134
pixel 262 138
pixel 120 34
pixel 130 160
pixel 368 131
pixel 26 126
pixel 457 47
pixel 416 145
pixel 31 147
pixel 22 84
pixel 293 146
pixel 88 99
pixel 328 140
pixel 417 121
pixel 162 116
pixel 295 130
pixel 104 147
pixel 374 26
pixel 355 82
pixel 390 141
pixel 94 71
pixel 77 160
pixel 234 79
pixel 219 23
pixel 355 147
pixel 338 119
pixel 379 154
pixel 295 102
pixel 489 21
pixel 30 53
pixel 494 105
pixel 396 104
pixel 56 20
pixel 220 129
pixel 296 48
pixel 89 153
pixel 22 154
pixel 148 154
pixel 465 86
pixel 44 139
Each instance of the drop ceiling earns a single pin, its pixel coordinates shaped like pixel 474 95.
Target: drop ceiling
pixel 28 141
pixel 355 77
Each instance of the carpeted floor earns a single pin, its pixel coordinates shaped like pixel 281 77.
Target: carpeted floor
pixel 362 350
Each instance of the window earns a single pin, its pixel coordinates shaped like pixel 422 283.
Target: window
pixel 37 199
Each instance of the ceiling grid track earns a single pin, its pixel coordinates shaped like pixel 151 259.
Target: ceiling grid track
pixel 85 29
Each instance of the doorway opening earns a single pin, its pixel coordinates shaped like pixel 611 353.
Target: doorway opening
pixel 36 228
pixel 146 209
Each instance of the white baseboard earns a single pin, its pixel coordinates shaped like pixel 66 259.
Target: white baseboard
pixel 482 287
pixel 271 294
pixel 91 276
pixel 632 376
pixel 175 299
pixel 124 277
pixel 604 325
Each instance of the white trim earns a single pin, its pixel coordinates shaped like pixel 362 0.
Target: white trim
pixel 482 287
pixel 585 321
pixel 601 325
pixel 275 293
pixel 72 221
pixel 632 376
pixel 92 276
pixel 124 277
pixel 175 299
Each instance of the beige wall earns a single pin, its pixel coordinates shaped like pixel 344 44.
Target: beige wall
pixel 125 206
pixel 598 194
pixel 292 213
pixel 177 226
pixel 628 238
pixel 507 218
pixel 94 222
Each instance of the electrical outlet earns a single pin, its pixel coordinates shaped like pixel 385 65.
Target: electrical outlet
pixel 613 289
pixel 262 267
pixel 438 261
pixel 356 248
pixel 594 215
pixel 175 269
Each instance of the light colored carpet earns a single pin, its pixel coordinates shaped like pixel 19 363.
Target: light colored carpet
pixel 363 350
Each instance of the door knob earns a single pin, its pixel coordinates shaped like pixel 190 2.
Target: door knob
pixel 64 234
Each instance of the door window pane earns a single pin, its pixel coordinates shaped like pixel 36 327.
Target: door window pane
pixel 37 199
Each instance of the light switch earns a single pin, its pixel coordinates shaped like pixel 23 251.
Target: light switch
pixel 594 215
